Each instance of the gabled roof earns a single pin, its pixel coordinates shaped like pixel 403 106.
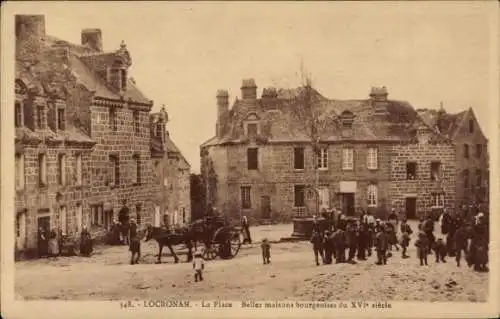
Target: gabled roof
pixel 289 111
pixel 449 123
pixel 85 64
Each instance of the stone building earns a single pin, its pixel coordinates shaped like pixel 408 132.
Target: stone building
pixel 295 152
pixel 172 173
pixel 83 135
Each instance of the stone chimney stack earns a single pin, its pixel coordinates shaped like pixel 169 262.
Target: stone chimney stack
pixel 92 38
pixel 30 35
pixel 378 99
pixel 269 98
pixel 248 89
pixel 222 111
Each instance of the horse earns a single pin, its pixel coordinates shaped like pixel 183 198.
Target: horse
pixel 166 238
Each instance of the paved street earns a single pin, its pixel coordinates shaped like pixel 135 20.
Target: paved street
pixel 292 275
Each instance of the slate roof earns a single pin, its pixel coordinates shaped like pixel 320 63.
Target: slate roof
pixel 290 112
pixel 449 123
pixel 169 147
pixel 85 62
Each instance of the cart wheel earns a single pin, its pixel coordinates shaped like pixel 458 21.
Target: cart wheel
pixel 235 244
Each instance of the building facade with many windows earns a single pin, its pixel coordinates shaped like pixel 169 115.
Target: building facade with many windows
pixel 83 136
pixel 295 153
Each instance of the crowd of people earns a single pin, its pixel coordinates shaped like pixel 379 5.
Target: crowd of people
pixel 57 243
pixel 348 238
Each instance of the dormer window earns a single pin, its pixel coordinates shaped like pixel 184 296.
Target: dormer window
pixel 346 120
pixel 123 75
pixel 252 129
pixel 61 119
pixel 41 117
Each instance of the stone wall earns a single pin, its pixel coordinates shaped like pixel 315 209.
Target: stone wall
pixel 124 143
pixel 422 187
pixel 472 163
pixel 276 177
pixel 33 199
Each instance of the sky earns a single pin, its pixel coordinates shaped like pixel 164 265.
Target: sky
pixel 183 52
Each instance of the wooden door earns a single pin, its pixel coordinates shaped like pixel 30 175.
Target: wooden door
pixel 348 204
pixel 411 207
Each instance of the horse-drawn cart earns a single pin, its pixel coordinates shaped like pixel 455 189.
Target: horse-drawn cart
pixel 214 233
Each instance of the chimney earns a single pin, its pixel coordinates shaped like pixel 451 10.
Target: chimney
pixel 378 100
pixel 248 89
pixel 30 35
pixel 92 38
pixel 269 98
pixel 222 109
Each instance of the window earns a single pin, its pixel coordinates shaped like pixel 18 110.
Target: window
pixel 411 170
pixel 63 220
pixel 299 196
pixel 61 169
pixel 123 80
pixel 253 158
pixel 78 169
pixel 42 170
pixel 438 200
pixel 107 218
pixel 159 129
pixel 245 197
pixel 471 126
pixel 138 216
pixel 19 116
pixel 466 151
pixel 136 122
pixel 323 158
pixel 479 150
pixel 479 179
pixel 137 170
pixel 96 213
pixel 466 179
pixel 372 195
pixel 347 159
pixel 183 215
pixel 61 119
pixel 372 159
pixel 435 171
pixel 40 117
pixel 252 129
pixel 113 122
pixel 114 171
pixel 19 171
pixel 298 159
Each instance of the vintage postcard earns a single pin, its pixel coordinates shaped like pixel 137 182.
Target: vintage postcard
pixel 250 159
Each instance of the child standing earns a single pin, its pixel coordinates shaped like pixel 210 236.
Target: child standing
pixel 266 251
pixel 381 245
pixel 198 266
pixel 422 245
pixel 406 232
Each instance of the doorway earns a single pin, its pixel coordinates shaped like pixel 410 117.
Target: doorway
pixel 265 207
pixel 411 207
pixel 348 204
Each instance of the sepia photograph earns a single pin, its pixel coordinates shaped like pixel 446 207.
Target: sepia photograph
pixel 311 159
